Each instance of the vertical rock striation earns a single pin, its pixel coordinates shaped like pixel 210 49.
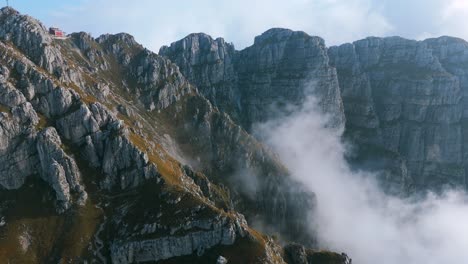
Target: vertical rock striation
pixel 253 85
pixel 404 104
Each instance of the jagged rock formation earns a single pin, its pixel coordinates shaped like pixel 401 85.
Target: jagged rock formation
pixel 298 254
pixel 212 232
pixel 109 154
pixel 405 103
pixel 58 169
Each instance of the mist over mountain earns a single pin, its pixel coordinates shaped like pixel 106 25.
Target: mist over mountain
pixel 287 151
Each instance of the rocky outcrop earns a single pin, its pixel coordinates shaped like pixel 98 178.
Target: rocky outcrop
pixel 32 38
pixel 285 67
pixel 17 148
pixel 102 136
pixel 156 82
pixel 105 144
pixel 298 254
pixel 280 69
pixel 404 105
pixel 209 64
pixel 211 233
pixel 26 152
pixel 58 169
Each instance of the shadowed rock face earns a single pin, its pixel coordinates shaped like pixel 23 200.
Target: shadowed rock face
pixel 404 103
pixel 298 254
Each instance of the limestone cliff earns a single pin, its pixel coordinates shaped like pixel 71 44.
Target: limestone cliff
pixel 405 102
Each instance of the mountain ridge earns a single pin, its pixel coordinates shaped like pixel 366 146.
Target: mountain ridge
pixel 150 158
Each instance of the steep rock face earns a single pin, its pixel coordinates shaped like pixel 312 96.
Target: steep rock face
pixel 58 169
pixel 25 153
pixel 260 185
pixel 212 233
pixel 282 67
pixel 107 145
pixel 209 140
pixel 452 53
pixel 209 64
pixel 17 121
pixel 297 254
pixel 31 37
pixel 156 82
pixel 404 109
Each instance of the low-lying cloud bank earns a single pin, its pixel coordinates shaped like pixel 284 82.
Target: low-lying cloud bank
pixel 353 214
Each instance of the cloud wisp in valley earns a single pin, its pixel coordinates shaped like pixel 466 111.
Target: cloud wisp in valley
pixel 353 215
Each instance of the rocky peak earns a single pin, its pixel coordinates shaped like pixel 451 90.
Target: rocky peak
pixel 449 49
pixel 11 19
pixel 199 48
pixel 8 11
pixel 196 52
pixel 83 40
pixel 25 32
pixel 393 50
pixel 118 42
pixel 277 35
pixel 298 254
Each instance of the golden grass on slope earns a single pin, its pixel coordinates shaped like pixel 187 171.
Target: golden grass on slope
pixel 168 167
pixel 4 109
pixel 42 122
pixel 81 234
pixel 34 233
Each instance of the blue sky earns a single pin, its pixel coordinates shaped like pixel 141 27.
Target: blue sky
pixel 160 22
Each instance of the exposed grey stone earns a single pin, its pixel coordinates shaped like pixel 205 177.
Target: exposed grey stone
pixel 252 85
pixel 404 103
pixel 298 254
pixel 223 232
pixel 58 169
pixel 221 260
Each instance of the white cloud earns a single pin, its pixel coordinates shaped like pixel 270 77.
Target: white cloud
pixel 453 19
pixel 353 215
